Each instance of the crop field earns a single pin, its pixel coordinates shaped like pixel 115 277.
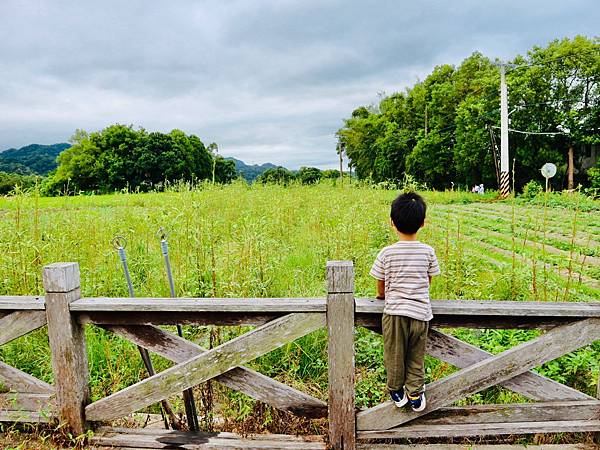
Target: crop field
pixel 274 241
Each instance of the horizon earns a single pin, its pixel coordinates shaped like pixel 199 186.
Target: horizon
pixel 268 81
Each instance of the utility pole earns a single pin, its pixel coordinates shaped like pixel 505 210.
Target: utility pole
pixel 504 174
pixel 341 151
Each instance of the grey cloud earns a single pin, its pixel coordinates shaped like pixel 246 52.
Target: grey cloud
pixel 269 80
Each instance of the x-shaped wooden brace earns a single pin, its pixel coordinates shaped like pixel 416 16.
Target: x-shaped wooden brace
pixel 488 372
pixel 197 365
pixel 26 392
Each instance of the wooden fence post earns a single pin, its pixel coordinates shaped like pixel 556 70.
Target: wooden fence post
pixel 340 329
pixel 67 344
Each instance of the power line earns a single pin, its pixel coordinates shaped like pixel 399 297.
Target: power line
pixel 534 132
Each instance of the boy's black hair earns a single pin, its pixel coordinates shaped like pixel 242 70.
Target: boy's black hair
pixel 408 212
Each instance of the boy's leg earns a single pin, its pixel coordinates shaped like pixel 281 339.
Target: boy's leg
pixel 394 350
pixel 415 356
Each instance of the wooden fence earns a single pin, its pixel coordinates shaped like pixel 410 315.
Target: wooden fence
pixel 553 408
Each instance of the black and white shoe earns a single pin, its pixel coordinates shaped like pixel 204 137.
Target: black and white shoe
pixel 399 398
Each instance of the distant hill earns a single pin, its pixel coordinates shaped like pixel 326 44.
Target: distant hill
pixel 31 159
pixel 250 173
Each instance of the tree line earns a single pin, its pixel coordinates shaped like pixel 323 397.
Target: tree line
pixel 121 157
pixel 440 129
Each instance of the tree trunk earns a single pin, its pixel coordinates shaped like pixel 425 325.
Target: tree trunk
pixel 570 168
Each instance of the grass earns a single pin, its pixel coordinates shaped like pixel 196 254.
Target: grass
pixel 273 241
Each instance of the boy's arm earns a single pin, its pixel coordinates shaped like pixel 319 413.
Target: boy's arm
pixel 380 290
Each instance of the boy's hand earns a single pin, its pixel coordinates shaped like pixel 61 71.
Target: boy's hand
pixel 380 297
pixel 380 290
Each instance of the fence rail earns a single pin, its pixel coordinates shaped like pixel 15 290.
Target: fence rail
pixel 555 407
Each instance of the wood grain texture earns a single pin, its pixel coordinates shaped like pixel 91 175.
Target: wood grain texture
pixel 24 416
pixel 340 338
pixel 154 438
pixel 461 354
pixel 254 384
pixel 206 366
pixel 489 372
pixel 180 304
pixel 176 318
pixel 496 308
pixel 67 344
pixel 15 380
pixel 489 429
pixel 20 303
pixel 505 413
pixel 21 401
pixel 19 323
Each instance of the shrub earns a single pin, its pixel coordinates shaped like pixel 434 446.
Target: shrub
pixel 532 190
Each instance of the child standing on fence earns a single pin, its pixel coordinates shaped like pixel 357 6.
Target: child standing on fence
pixel 403 271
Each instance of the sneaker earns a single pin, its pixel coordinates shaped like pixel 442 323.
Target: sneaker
pixel 399 398
pixel 417 403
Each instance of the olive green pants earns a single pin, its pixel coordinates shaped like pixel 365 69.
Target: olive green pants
pixel 404 342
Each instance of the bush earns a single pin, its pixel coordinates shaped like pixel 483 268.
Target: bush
pixel 594 177
pixel 532 190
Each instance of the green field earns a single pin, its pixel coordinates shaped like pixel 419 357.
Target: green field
pixel 274 241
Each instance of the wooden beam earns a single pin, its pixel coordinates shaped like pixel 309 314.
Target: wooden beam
pixel 489 372
pixel 22 401
pixel 410 431
pixel 16 380
pixel 24 416
pixel 19 323
pixel 156 438
pixel 206 366
pixel 67 343
pixel 496 308
pixel 461 354
pixel 20 303
pixel 254 384
pixel 340 338
pixel 505 413
pixel 176 318
pixel 256 305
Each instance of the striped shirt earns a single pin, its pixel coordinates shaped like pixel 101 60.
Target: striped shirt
pixel 405 267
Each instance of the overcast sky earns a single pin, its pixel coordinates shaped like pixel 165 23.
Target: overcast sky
pixel 268 80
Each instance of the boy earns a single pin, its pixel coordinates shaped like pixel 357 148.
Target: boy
pixel 403 271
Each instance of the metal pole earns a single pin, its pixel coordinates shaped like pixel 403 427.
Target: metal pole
pixel 188 395
pixel 119 243
pixel 504 175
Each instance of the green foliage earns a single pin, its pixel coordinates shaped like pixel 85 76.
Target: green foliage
pixel 120 157
pixel 438 130
pixel 10 181
pixel 594 177
pixel 532 190
pixel 225 171
pixel 278 175
pixel 31 159
pixel 250 172
pixel 309 175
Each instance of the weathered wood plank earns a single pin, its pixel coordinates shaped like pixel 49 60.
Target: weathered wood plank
pixel 15 380
pixel 19 323
pixel 24 416
pixel 478 321
pixel 20 303
pixel 495 308
pixel 176 318
pixel 487 429
pixel 21 401
pixel 181 304
pixel 340 338
pixel 254 384
pixel 144 438
pixel 67 342
pixel 461 354
pixel 505 413
pixel 489 372
pixel 206 366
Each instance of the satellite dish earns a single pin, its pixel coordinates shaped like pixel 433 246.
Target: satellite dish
pixel 548 170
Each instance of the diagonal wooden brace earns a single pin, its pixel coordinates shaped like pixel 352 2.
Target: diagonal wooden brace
pixel 530 384
pixel 250 382
pixel 18 323
pixel 492 371
pixel 201 368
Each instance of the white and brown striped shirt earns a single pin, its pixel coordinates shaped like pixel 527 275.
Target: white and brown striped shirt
pixel 405 267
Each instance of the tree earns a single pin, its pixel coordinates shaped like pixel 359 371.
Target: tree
pixel 278 175
pixel 309 175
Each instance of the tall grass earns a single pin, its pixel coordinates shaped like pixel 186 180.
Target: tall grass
pixel 269 241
